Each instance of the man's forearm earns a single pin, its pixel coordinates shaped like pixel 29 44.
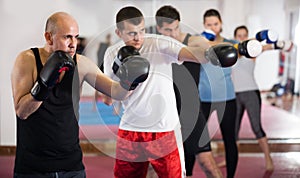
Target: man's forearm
pixel 26 106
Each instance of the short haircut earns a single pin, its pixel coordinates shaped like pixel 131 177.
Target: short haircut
pixel 239 28
pixel 129 14
pixel 167 14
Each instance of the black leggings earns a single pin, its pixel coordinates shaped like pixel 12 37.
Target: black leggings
pixel 197 141
pixel 226 112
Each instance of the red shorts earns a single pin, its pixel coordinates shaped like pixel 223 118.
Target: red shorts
pixel 135 150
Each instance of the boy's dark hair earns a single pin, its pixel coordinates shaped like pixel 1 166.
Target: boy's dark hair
pixel 166 14
pixel 130 14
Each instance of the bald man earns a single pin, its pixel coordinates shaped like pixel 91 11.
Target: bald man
pixel 46 85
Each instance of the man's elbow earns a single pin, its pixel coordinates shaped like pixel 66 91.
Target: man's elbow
pixel 22 115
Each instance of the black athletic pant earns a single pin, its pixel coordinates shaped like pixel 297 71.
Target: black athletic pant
pixel 226 112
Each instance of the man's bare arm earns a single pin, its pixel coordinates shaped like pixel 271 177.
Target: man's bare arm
pixel 22 79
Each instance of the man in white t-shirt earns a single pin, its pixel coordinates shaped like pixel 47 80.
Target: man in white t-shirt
pixel 149 130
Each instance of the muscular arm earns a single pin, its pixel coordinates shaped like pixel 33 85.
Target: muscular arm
pixel 23 77
pixel 195 51
pixel 89 72
pixel 200 41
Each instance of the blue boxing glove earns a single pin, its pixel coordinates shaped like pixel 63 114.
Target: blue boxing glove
pixel 209 34
pixel 269 35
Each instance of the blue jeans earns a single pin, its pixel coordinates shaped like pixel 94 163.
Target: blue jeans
pixel 61 174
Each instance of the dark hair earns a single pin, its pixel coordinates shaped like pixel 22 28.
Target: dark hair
pixel 239 28
pixel 166 14
pixel 130 14
pixel 212 12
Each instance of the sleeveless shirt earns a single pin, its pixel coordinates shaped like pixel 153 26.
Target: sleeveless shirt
pixel 47 141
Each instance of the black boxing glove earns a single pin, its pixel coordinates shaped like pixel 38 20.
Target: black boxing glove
pixel 123 53
pixel 134 70
pixel 224 55
pixel 57 62
pixel 130 67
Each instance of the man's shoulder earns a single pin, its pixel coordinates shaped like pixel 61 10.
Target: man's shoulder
pixel 162 40
pixel 25 61
pixel 27 52
pixel 81 58
pixel 25 56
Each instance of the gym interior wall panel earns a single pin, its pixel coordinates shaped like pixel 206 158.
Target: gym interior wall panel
pixel 233 17
pixel 297 51
pixel 260 18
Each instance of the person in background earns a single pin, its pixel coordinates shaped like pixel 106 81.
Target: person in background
pixel 81 43
pixel 217 93
pixel 100 55
pixel 101 50
pixel 248 95
pixel 186 81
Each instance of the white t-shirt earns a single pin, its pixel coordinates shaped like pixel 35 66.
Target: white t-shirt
pixel 152 105
pixel 243 75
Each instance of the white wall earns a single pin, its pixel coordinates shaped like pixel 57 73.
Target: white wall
pixel 23 24
pixel 292 7
pixel 267 15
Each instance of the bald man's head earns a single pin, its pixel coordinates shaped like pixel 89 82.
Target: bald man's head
pixel 55 21
pixel 61 33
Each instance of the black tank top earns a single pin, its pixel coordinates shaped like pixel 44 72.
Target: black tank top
pixel 48 140
pixel 179 78
pixel 192 67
